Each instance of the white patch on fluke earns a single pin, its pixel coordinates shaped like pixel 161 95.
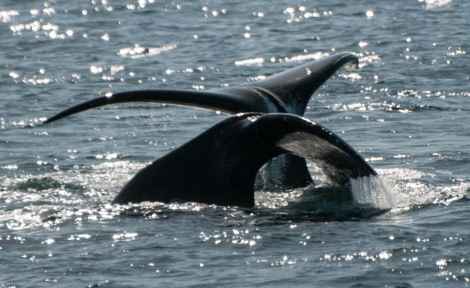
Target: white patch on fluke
pixel 372 191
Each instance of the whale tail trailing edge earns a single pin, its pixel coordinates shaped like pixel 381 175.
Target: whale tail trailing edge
pixel 212 100
pixel 288 91
pixel 219 166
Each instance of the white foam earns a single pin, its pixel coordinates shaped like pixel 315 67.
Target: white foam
pixel 138 51
pixel 373 191
pixel 414 188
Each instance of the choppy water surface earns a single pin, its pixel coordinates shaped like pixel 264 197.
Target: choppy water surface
pixel 406 110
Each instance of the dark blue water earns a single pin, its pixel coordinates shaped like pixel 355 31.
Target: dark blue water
pixel 406 110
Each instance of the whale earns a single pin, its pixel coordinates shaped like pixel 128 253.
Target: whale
pixel 285 92
pixel 220 165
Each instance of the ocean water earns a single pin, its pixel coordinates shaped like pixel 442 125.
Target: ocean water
pixel 406 109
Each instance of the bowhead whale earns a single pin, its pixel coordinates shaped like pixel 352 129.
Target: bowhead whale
pixel 285 92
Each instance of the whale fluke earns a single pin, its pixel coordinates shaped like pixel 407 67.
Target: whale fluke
pixel 220 165
pixel 295 86
pixel 288 91
pixel 227 100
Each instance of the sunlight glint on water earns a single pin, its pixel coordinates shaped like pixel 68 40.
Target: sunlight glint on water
pixel 405 110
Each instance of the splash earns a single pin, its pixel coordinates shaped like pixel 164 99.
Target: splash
pixel 415 188
pixel 372 191
pixel 430 4
pixel 139 51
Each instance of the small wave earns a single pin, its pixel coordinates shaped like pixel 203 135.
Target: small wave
pixel 304 57
pixel 250 62
pixel 38 184
pixel 430 4
pixel 138 51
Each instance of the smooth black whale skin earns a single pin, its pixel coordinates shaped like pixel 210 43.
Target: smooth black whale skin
pixel 285 92
pixel 220 165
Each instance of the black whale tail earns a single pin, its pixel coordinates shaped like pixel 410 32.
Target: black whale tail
pixel 223 101
pixel 219 166
pixel 288 91
pixel 295 86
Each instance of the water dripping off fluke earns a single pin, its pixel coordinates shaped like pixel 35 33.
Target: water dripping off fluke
pixel 373 191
